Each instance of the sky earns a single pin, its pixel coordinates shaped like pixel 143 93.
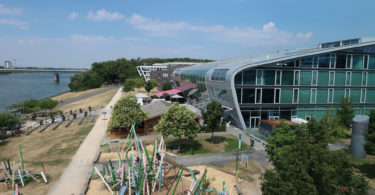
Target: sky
pixel 74 34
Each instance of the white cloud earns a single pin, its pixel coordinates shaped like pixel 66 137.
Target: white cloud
pixel 134 39
pixel 9 11
pixel 269 34
pixel 73 15
pixel 305 35
pixel 91 38
pixel 14 22
pixel 104 15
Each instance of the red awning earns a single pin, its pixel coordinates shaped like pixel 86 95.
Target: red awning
pixel 172 91
pixel 187 87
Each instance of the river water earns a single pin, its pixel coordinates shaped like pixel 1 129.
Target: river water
pixel 18 87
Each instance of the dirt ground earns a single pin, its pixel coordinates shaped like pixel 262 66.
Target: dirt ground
pixel 53 148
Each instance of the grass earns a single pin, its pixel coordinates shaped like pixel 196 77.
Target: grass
pixel 252 170
pixel 54 149
pixel 203 145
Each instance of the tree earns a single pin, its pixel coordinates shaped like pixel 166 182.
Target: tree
pixel 7 120
pixel 167 86
pixel 212 116
pixel 139 83
pixel 179 122
pixel 333 124
pixel 48 104
pixel 90 110
pixel 150 84
pixel 346 113
pixel 128 85
pixel 370 136
pixel 127 112
pixel 303 164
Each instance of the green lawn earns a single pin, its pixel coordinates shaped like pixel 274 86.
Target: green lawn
pixel 203 145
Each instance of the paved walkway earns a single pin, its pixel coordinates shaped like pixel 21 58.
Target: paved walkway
pixel 71 100
pixel 258 156
pixel 245 138
pixel 76 176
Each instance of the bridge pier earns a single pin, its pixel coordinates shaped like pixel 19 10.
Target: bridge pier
pixel 57 78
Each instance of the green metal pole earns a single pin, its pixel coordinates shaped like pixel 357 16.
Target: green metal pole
pixel 178 180
pixel 108 148
pixel 21 158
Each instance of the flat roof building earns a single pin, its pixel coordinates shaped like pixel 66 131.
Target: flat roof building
pixel 8 65
pixel 299 83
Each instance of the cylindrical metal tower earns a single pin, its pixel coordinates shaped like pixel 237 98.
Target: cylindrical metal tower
pixel 359 128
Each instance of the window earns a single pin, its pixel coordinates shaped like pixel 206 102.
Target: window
pixel 298 63
pixel 340 60
pixel 305 78
pixel 295 96
pixel 323 78
pixel 268 96
pixel 314 79
pixel 220 94
pixel 364 78
pixel 286 96
pixel 258 94
pixel 338 95
pixel 296 77
pixel 347 93
pixel 219 74
pixel 324 61
pixel 355 95
pixel 315 62
pixel 348 61
pixel 268 77
pixel 277 95
pixel 340 78
pixel 332 63
pixel 307 62
pixel 357 62
pixel 238 78
pixel 371 62
pixel 348 78
pixel 259 77
pixel 248 96
pixel 356 79
pixel 322 96
pixel 331 78
pixel 363 95
pixel 278 77
pixel 304 96
pixel 165 75
pixel 239 95
pixel 313 96
pixel 249 77
pixel 287 78
pixel 330 96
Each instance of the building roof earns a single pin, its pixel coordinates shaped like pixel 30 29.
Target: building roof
pixel 159 107
pixel 156 108
pixel 172 91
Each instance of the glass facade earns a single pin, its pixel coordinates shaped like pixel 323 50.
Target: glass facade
pixel 307 86
pixel 304 86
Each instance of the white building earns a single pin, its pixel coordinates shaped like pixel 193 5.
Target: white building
pixel 8 65
pixel 145 71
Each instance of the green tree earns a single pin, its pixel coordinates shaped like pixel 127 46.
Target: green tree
pixel 179 122
pixel 212 116
pixel 129 85
pixel 139 83
pixel 167 86
pixel 303 164
pixel 27 106
pixel 48 104
pixel 370 136
pixel 346 113
pixel 150 84
pixel 7 120
pixel 333 124
pixel 127 112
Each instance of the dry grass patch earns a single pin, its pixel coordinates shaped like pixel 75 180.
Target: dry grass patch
pixel 70 95
pixel 52 148
pixel 97 100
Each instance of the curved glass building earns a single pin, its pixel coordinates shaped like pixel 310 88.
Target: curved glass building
pixel 290 84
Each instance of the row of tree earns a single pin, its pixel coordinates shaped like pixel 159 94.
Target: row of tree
pixel 33 105
pixel 115 71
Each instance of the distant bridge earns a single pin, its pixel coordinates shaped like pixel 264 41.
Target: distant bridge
pixel 37 70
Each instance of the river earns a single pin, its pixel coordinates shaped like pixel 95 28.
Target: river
pixel 18 87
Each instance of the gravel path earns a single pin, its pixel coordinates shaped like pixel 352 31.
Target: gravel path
pixel 75 178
